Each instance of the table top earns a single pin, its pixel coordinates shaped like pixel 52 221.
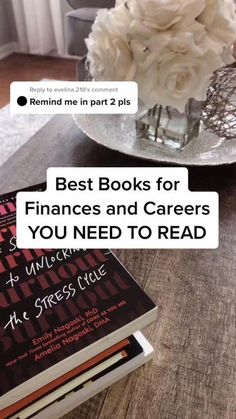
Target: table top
pixel 193 374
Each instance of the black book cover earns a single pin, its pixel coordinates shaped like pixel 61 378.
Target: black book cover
pixel 55 303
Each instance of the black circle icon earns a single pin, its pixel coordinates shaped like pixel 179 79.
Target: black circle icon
pixel 22 101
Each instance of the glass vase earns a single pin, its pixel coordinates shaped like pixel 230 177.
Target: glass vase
pixel 169 128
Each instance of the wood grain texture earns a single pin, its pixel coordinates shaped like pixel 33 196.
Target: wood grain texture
pixel 193 374
pixel 24 67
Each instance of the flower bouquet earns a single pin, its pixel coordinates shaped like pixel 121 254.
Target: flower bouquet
pixel 170 48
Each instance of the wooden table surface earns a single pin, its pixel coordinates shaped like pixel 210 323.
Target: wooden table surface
pixel 193 374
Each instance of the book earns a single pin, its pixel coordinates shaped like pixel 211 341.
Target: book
pixel 139 351
pixel 70 387
pixel 53 385
pixel 59 309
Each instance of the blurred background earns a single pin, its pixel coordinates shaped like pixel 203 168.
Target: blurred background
pixel 44 39
pixel 40 40
pixel 33 42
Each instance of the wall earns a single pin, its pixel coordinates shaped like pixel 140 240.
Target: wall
pixel 7 25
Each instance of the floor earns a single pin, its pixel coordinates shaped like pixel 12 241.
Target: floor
pixel 24 67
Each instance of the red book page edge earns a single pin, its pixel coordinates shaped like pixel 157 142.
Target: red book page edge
pixel 14 408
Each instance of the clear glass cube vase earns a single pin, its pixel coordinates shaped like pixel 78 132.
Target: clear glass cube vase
pixel 167 127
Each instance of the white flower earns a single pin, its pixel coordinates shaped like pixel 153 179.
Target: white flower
pixel 163 15
pixel 170 47
pixel 109 55
pixel 171 43
pixel 171 79
pixel 174 67
pixel 219 19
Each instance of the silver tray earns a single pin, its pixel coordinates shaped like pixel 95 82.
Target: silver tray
pixel 117 132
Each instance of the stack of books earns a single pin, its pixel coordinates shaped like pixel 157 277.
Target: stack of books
pixel 69 324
